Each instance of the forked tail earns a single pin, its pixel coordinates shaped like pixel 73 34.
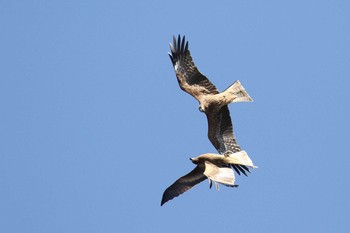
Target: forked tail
pixel 238 92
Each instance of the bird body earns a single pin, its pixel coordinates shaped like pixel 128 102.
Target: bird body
pixel 240 158
pixel 212 102
pixel 217 168
pixel 214 167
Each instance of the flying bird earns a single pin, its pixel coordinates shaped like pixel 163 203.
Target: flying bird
pixel 212 102
pixel 214 167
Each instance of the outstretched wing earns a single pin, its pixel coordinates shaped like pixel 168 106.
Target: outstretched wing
pixel 184 183
pixel 190 79
pixel 220 133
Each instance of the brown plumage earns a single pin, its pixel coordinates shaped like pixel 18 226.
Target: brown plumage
pixel 214 167
pixel 212 102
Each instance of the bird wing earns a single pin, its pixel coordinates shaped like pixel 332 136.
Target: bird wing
pixel 240 158
pixel 184 183
pixel 220 131
pixel 222 175
pixel 190 79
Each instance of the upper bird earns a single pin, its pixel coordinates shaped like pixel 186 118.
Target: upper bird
pixel 212 102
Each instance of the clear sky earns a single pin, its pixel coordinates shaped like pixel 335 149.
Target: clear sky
pixel 94 127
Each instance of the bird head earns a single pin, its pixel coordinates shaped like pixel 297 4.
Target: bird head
pixel 201 109
pixel 194 160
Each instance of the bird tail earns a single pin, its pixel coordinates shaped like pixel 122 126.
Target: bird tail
pixel 237 92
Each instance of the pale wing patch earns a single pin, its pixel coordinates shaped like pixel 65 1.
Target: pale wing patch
pixel 222 175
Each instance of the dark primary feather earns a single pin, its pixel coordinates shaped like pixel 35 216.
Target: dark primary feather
pixel 184 183
pixel 187 72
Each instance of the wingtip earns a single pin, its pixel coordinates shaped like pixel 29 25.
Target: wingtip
pixel 179 49
pixel 171 58
pixel 183 44
pixel 166 197
pixel 235 168
pixel 174 40
pixel 245 168
pixel 179 45
pixel 163 201
pixel 241 169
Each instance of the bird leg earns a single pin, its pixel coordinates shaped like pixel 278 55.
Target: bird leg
pixel 210 183
pixel 217 186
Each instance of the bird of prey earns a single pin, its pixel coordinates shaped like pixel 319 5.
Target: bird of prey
pixel 215 167
pixel 212 102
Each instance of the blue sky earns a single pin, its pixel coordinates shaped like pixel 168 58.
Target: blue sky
pixel 94 126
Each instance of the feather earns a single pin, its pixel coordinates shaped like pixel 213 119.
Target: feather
pixel 184 183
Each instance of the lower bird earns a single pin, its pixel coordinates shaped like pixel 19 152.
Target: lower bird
pixel 216 168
